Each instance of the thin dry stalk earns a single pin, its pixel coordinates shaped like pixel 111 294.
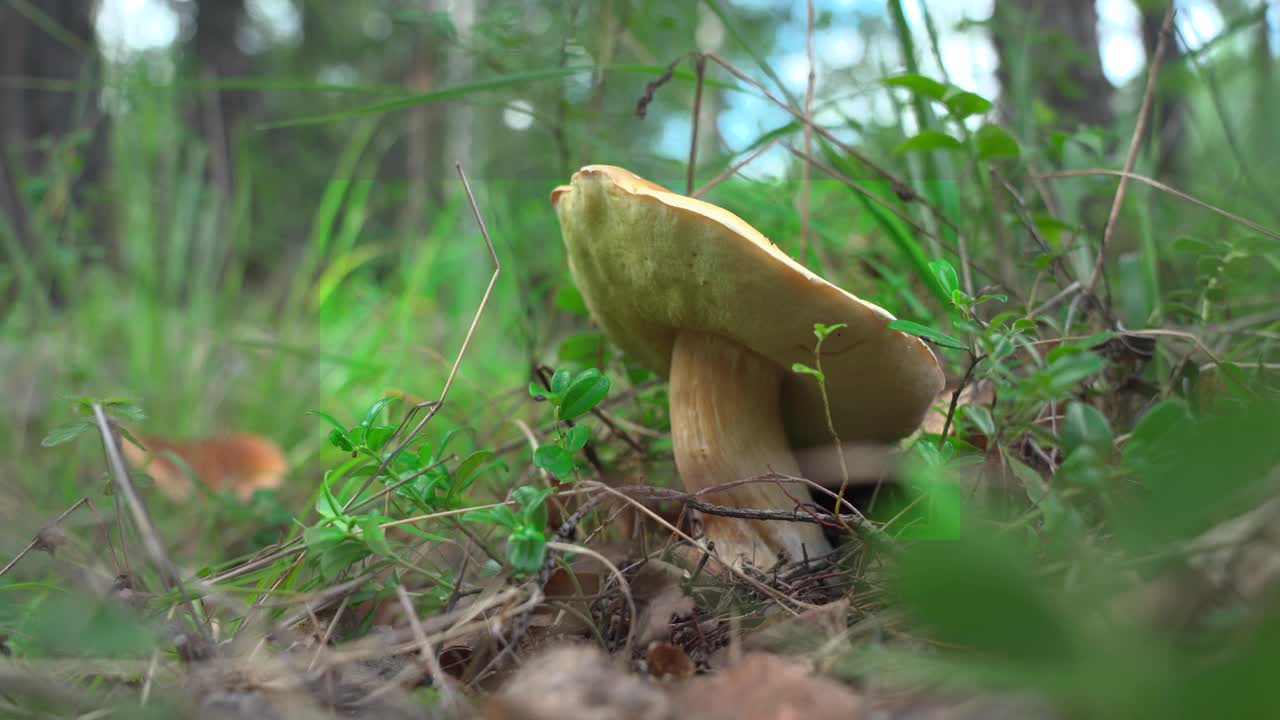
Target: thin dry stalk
pixel 699 70
pixel 623 586
pixel 142 519
pixel 1135 142
pixel 1162 187
pixel 734 168
pixel 900 186
pixel 805 170
pixel 452 703
pixel 36 540
pixel 462 351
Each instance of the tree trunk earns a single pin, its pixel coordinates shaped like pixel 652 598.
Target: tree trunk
pixel 217 57
pixel 43 47
pixel 1169 119
pixel 1048 51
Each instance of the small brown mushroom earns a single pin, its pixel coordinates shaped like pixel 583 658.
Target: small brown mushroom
pixel 241 462
pixel 696 294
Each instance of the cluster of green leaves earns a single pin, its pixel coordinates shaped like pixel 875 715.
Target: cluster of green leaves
pixel 988 142
pixel 417 480
pixel 571 396
pixel 118 408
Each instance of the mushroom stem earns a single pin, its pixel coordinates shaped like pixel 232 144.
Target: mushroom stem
pixel 726 425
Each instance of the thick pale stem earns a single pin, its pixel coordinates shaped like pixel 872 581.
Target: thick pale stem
pixel 726 426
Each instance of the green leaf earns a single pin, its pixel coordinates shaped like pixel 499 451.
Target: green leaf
pixel 570 300
pixel 918 84
pixel 1165 417
pixel 995 142
pixel 1065 372
pixel 1085 426
pixel 928 333
pixel 821 331
pixel 377 436
pixel 327 505
pixel 983 595
pixel 338 437
pixel 374 536
pixel 65 433
pixel 322 538
pixel 468 467
pixel 946 276
pixel 927 140
pixel 374 410
pixel 533 504
pixel 126 410
pixel 981 418
pixel 1084 468
pixel 576 438
pixel 526 549
pixel 803 369
pixel 560 382
pixel 584 349
pixel 554 459
pixel 584 393
pixel 1195 246
pixel 963 104
pixel 499 515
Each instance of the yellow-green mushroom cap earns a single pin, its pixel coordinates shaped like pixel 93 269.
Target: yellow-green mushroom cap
pixel 650 263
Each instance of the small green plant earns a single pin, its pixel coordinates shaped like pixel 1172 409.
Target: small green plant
pixel 117 408
pixel 375 482
pixel 571 396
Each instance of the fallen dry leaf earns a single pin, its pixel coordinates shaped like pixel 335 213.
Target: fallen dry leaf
pixel 768 687
pixel 665 660
pixel 578 683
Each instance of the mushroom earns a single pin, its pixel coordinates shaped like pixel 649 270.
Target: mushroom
pixel 699 296
pixel 241 462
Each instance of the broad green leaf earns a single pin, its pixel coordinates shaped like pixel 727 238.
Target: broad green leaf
pixel 979 594
pixel 570 300
pixel 327 505
pixel 995 142
pixel 533 504
pixel 65 433
pixel 928 333
pixel 1163 418
pixel 576 438
pixel 526 549
pixel 554 459
pixel 374 410
pixel 919 84
pixel 928 140
pixel 584 349
pixel 584 393
pixel 377 436
pixel 127 410
pixel 1065 372
pixel 1085 426
pixel 946 275
pixel 963 104
pixel 322 538
pixel 981 418
pixel 470 466
pixel 1084 468
pixel 374 536
pixel 560 382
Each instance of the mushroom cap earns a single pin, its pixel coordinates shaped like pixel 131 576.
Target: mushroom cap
pixel 241 462
pixel 650 263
